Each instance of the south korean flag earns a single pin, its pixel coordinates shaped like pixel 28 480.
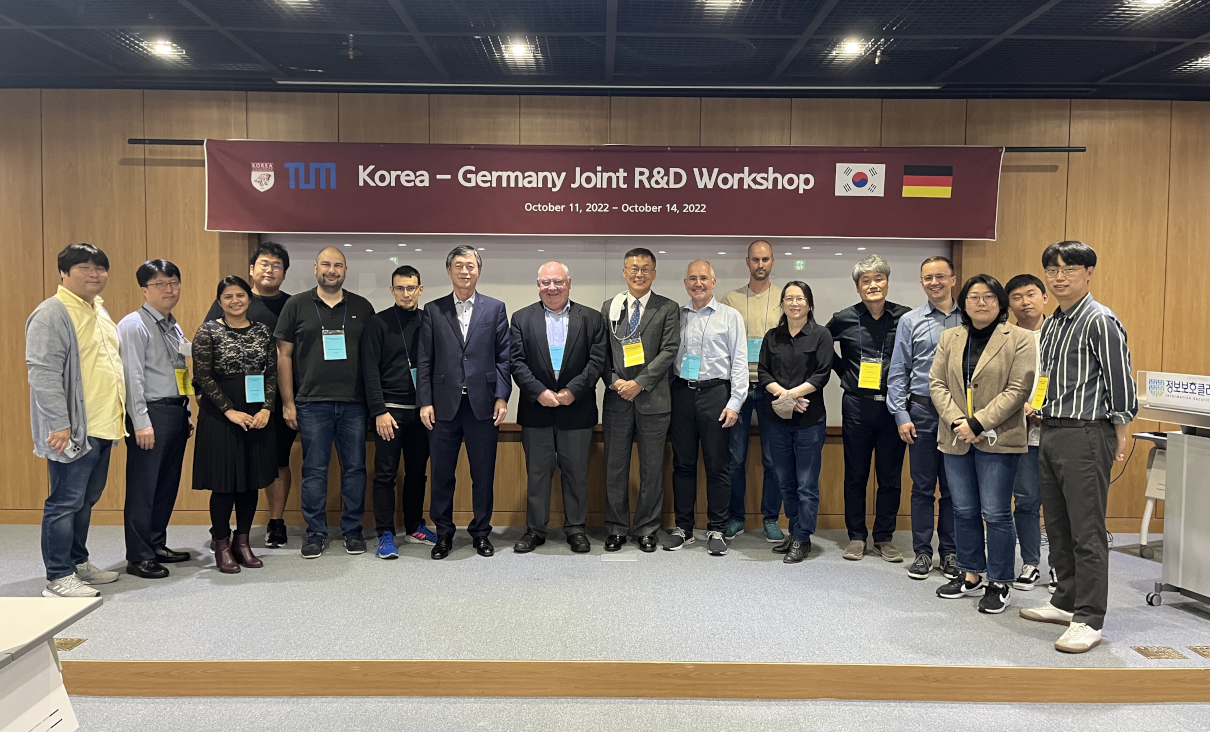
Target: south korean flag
pixel 860 179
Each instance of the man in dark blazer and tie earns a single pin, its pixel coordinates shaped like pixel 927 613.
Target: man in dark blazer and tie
pixel 644 338
pixel 559 351
pixel 464 384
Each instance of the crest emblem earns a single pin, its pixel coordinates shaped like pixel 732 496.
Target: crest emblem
pixel 262 176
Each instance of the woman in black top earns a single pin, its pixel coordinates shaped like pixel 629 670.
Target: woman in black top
pixel 235 376
pixel 795 364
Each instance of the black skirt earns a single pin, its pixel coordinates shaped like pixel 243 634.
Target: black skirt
pixel 227 459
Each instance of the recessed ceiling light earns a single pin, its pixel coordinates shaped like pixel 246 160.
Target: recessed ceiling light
pixel 861 249
pixel 840 254
pixel 483 249
pixel 519 50
pixel 851 47
pixel 369 250
pixel 1153 2
pixel 165 48
pixel 348 245
pixel 722 252
pixel 419 250
pixel 541 250
pixel 789 254
pixel 806 247
pixel 662 252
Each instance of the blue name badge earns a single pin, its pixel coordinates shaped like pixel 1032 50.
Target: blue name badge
pixel 754 349
pixel 414 382
pixel 691 366
pixel 254 388
pixel 556 357
pixel 334 346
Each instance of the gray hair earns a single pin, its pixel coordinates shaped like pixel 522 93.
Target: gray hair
pixel 566 270
pixel 462 251
pixel 872 263
pixel 702 261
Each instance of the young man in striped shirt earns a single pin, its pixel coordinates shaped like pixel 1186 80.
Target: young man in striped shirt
pixel 1090 401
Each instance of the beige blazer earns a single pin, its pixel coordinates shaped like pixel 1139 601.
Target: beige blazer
pixel 1000 387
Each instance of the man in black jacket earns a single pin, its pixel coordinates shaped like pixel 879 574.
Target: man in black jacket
pixel 389 348
pixel 558 353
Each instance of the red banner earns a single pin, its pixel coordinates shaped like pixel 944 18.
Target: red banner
pixel 359 188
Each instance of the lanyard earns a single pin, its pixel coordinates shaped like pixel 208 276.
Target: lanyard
pixel 173 352
pixel 768 301
pixel 1054 347
pixel 970 367
pixel 239 341
pixel 702 347
pixel 885 332
pixel 342 320
pixel 406 351
pixel 630 333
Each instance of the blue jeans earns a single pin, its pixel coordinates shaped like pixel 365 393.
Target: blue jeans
pixel 770 500
pixel 801 455
pixel 321 424
pixel 1028 496
pixel 981 484
pixel 924 464
pixel 75 488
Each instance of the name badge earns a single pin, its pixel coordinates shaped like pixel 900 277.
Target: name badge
pixel 633 352
pixel 556 357
pixel 183 385
pixel 870 376
pixel 334 345
pixel 691 366
pixel 754 349
pixel 414 381
pixel 1040 394
pixel 970 411
pixel 254 388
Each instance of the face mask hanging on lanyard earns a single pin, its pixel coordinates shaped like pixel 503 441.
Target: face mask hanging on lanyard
pixel 334 340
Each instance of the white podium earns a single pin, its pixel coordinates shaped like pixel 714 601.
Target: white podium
pixel 32 696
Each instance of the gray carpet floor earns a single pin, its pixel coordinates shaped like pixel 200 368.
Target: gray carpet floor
pixel 552 604
pixel 433 714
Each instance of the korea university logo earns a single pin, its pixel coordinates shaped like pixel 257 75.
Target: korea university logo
pixel 262 176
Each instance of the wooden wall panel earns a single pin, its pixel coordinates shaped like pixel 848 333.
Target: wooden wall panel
pixel 745 122
pixel 564 120
pixel 1186 349
pixel 384 117
pixel 24 485
pixel 655 120
pixel 1117 202
pixel 295 116
pixel 923 122
pixel 474 119
pixel 836 122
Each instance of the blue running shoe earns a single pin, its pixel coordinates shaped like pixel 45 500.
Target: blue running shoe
pixel 773 533
pixel 386 546
pixel 422 535
pixel 735 527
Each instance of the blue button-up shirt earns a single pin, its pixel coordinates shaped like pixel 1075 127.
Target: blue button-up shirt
pixel 915 344
pixel 556 327
pixel 717 333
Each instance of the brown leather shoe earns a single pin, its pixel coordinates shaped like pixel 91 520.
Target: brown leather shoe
pixel 243 553
pixel 223 558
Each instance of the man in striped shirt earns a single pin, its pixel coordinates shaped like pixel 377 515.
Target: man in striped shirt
pixel 1090 401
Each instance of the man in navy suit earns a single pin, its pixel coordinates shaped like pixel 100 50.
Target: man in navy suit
pixel 464 384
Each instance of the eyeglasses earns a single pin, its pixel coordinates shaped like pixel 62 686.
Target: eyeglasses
pixel 797 300
pixel 928 279
pixel 88 269
pixel 645 271
pixel 270 266
pixel 987 299
pixel 1053 272
pixel 405 289
pixel 551 283
pixel 165 286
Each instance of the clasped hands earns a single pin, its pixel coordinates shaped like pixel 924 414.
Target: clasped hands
pixel 561 398
pixel 963 432
pixel 248 421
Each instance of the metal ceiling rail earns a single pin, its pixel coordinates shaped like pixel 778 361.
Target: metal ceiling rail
pixel 157 141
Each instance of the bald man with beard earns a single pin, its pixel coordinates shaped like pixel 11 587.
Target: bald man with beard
pixel 320 382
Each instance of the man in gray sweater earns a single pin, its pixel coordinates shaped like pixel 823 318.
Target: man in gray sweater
pixel 76 405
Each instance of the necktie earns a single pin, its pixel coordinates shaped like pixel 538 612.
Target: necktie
pixel 634 319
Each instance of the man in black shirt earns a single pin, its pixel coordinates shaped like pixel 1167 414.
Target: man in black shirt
pixel 865 333
pixel 267 267
pixel 322 390
pixel 389 348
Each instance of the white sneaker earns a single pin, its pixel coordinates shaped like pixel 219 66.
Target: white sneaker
pixel 91 574
pixel 69 586
pixel 1047 614
pixel 1078 639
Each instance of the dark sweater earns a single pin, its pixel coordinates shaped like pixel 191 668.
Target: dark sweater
pixel 387 360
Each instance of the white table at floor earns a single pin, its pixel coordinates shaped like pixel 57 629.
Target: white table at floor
pixel 32 697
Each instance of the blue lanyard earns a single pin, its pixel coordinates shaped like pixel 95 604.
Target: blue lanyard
pixel 243 351
pixel 406 352
pixel 970 367
pixel 342 320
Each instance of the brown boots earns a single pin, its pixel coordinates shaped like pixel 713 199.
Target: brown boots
pixel 223 557
pixel 243 553
pixel 229 558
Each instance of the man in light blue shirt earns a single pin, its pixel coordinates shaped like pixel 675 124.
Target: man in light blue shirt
pixel 709 387
pixel 909 401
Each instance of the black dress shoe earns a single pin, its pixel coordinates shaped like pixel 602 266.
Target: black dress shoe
pixel 527 543
pixel 442 548
pixel 797 552
pixel 149 569
pixel 579 543
pixel 647 543
pixel 784 546
pixel 614 542
pixel 164 555
pixel 483 546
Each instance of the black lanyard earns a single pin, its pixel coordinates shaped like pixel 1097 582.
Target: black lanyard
pixel 240 342
pixel 861 348
pixel 406 351
pixel 343 320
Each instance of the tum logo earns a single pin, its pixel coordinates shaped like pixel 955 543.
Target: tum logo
pixel 307 179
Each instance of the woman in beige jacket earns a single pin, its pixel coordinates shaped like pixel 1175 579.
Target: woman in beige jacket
pixel 980 381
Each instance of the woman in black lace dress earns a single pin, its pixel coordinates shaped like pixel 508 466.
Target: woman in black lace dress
pixel 235 454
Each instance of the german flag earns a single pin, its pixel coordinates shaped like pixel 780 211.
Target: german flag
pixel 928 181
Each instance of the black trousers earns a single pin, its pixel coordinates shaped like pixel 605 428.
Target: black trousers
pixel 152 479
pixel 445 442
pixel 869 429
pixel 695 414
pixel 220 513
pixel 412 441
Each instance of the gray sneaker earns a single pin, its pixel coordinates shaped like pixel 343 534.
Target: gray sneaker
pixel 735 527
pixel 91 574
pixel 921 567
pixel 855 550
pixel 69 586
pixel 678 539
pixel 887 551
pixel 715 544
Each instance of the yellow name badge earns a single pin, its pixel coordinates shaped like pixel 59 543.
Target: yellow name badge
pixel 1040 394
pixel 970 410
pixel 634 354
pixel 870 376
pixel 183 386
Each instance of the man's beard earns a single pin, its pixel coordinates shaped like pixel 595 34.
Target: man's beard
pixel 333 288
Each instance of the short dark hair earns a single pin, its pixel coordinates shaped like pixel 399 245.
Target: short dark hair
pixel 74 254
pixel 806 291
pixel 405 270
pixel 997 289
pixel 639 252
pixel 152 267
pixel 1024 280
pixel 932 260
pixel 232 281
pixel 1075 253
pixel 270 249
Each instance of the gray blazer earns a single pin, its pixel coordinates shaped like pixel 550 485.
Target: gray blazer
pixel 660 331
pixel 56 387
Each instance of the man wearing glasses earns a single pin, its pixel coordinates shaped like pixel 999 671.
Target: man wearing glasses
pixel 153 351
pixel 389 350
pixel 558 352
